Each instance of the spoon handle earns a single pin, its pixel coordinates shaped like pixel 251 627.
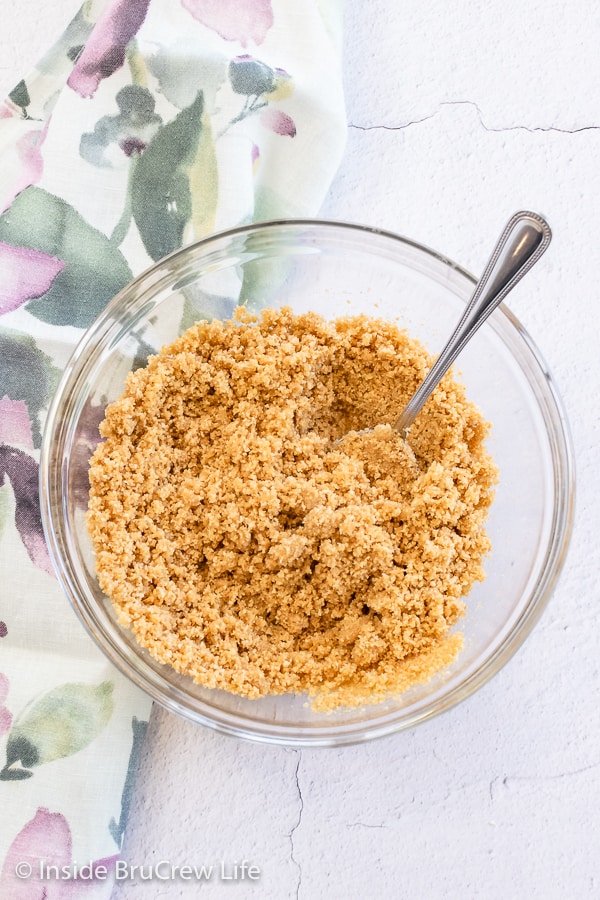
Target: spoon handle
pixel 524 239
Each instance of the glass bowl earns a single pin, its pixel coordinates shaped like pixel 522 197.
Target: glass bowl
pixel 332 269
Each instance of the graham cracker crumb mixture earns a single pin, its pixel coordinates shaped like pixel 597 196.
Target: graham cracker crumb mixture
pixel 248 550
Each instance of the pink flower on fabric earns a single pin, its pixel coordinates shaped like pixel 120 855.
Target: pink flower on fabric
pixel 45 842
pixel 22 471
pixel 255 157
pixel 15 427
pixel 279 122
pixel 5 715
pixel 28 148
pixel 234 20
pixel 24 274
pixel 104 51
pixel 47 838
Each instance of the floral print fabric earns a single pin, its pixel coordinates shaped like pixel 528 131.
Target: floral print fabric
pixel 148 124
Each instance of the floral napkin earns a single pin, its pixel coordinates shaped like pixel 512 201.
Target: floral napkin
pixel 149 123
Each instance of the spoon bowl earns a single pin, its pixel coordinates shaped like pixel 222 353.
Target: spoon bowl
pixel 524 239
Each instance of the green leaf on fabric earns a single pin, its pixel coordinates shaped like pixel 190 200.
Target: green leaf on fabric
pixel 204 183
pixel 161 198
pixel 15 774
pixel 27 374
pixel 250 76
pixel 95 270
pixel 262 281
pixel 269 204
pixel 58 724
pixel 20 95
pixel 263 278
pixel 74 52
pixel 202 306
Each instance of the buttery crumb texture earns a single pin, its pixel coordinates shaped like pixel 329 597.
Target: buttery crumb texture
pixel 247 549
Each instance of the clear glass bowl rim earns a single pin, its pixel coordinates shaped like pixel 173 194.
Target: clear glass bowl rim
pixel 271 733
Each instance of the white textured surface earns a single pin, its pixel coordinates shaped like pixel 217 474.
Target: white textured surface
pixel 459 113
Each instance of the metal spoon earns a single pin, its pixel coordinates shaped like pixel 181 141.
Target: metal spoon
pixel 523 241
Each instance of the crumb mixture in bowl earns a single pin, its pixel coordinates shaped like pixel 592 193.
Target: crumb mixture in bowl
pixel 247 549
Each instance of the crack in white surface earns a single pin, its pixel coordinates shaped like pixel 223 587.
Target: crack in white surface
pixel 297 823
pixel 393 127
pixel 529 128
pixel 505 781
pixel 364 825
pixel 532 129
